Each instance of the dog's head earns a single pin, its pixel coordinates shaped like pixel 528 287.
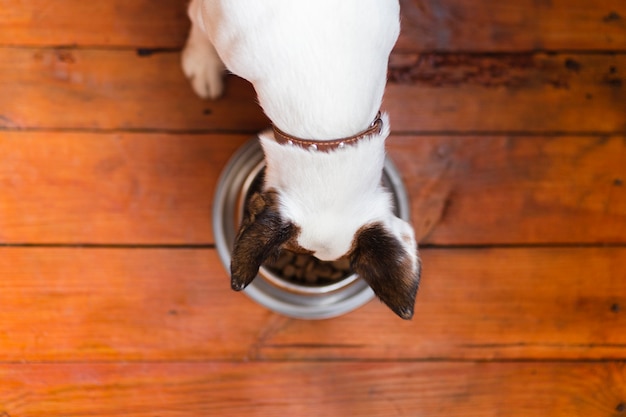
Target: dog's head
pixel 330 205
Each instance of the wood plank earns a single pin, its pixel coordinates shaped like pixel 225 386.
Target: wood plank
pixel 81 304
pixel 110 188
pixel 113 89
pixel 450 25
pixel 103 304
pixel 524 25
pixel 118 23
pixel 510 93
pixel 314 389
pixel 510 190
pixel 149 188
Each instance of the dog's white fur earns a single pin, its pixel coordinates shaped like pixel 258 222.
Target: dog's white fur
pixel 330 195
pixel 319 69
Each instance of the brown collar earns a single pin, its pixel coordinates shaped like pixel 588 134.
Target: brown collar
pixel 328 145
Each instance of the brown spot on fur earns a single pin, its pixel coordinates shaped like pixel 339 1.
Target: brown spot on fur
pixel 260 236
pixel 380 259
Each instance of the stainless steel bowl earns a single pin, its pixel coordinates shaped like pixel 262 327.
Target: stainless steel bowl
pixel 268 288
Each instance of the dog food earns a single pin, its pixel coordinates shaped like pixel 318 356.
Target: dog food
pixel 307 269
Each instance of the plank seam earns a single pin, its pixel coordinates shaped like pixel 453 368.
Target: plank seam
pixel 621 360
pixel 490 133
pixel 211 246
pixel 146 51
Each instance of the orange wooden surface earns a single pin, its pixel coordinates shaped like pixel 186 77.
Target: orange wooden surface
pixel 113 89
pixel 479 25
pixel 156 188
pixel 521 25
pixel 514 189
pixel 510 93
pixel 509 128
pixel 131 188
pixel 144 23
pixel 369 389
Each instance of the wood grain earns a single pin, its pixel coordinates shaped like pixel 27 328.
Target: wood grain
pixel 510 93
pixel 525 25
pixel 110 188
pixel 99 304
pixel 450 25
pixel 114 90
pixel 314 389
pixel 155 188
pixel 120 90
pixel 514 189
pixel 112 23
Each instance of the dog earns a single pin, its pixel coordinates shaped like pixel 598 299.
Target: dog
pixel 319 68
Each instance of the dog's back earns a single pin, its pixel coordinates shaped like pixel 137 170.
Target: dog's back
pixel 320 59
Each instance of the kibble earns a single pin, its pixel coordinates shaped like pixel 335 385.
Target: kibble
pixel 307 269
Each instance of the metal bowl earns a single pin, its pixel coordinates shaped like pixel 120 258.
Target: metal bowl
pixel 269 289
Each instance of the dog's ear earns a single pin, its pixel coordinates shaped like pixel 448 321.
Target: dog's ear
pixel 386 264
pixel 261 234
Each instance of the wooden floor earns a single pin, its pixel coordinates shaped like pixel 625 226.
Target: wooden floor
pixel 509 127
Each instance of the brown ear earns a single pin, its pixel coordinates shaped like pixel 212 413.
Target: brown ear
pixel 380 259
pixel 262 233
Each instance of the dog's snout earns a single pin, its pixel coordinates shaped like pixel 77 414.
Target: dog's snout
pixel 328 252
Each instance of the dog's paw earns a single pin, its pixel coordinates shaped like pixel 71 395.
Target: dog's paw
pixel 203 68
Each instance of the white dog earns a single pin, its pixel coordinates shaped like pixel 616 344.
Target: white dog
pixel 319 68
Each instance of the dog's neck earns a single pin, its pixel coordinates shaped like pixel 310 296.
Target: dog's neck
pixel 329 194
pixel 291 164
pixel 375 128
